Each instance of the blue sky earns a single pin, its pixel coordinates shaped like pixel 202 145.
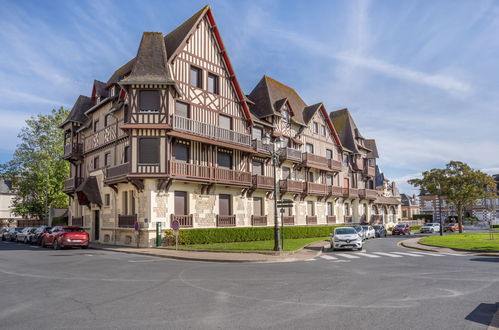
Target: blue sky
pixel 421 77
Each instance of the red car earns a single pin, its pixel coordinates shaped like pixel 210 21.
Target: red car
pixel 60 237
pixel 401 229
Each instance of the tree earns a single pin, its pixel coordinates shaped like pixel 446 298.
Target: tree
pixel 37 170
pixel 459 183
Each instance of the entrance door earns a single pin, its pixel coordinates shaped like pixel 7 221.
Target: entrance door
pixel 96 225
pixel 180 203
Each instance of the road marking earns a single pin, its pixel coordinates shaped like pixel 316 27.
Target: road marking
pixel 327 257
pixel 429 254
pixel 388 254
pixel 367 255
pixel 341 261
pixel 312 259
pixel 408 254
pixel 345 255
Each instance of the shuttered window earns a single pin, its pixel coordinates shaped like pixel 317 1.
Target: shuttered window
pixel 257 206
pixel 225 122
pixel 330 209
pixel 196 77
pixel 181 152
pixel 182 109
pixel 257 167
pixel 212 83
pixel 310 208
pixel 224 160
pixel 148 151
pixel 224 205
pixel 149 101
pixel 257 133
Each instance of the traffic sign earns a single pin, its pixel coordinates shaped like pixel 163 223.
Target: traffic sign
pixel 285 203
pixel 136 226
pixel 175 225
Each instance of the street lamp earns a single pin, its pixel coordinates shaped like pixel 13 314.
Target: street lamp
pixel 275 158
pixel 439 189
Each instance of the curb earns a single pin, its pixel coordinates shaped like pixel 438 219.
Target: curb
pixel 403 244
pixel 421 248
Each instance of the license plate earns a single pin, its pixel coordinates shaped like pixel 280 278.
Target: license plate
pixel 76 240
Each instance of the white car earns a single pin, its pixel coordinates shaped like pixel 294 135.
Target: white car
pixel 23 235
pixel 369 232
pixel 430 228
pixel 346 238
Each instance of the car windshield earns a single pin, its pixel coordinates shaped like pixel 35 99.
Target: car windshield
pixel 365 227
pixel 18 230
pixel 358 228
pixel 344 231
pixel 378 227
pixel 73 230
pixel 400 226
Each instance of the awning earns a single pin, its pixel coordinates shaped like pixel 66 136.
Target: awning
pixel 88 192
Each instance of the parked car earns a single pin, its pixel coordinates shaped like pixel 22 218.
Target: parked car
pixel 360 231
pixel 23 235
pixel 401 229
pixel 65 236
pixel 11 234
pixel 346 238
pixel 452 227
pixel 430 228
pixel 369 230
pixel 380 231
pixel 36 237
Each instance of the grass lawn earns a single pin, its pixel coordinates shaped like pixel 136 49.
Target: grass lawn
pixel 471 241
pixel 289 245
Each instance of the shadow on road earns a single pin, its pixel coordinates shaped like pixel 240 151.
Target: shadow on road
pixel 487 259
pixel 483 313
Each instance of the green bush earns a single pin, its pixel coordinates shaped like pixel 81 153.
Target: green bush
pixel 415 228
pixel 471 219
pixel 426 217
pixel 244 234
pixel 495 226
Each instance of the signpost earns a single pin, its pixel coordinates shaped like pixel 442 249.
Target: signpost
pixel 158 234
pixel 176 227
pixel 283 204
pixel 136 227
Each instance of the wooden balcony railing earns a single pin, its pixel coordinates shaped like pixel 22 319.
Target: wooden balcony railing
pixel 226 220
pixel 71 184
pixel 318 189
pixel 369 171
pixel 117 171
pixel 367 194
pixel 127 221
pixel 311 219
pixel 260 147
pixel 258 220
pixel 263 182
pixel 335 191
pixel 315 161
pixel 331 219
pixel 288 220
pixel 77 221
pixel 350 192
pixel 210 131
pixel 73 151
pixel 348 218
pixel 185 220
pixel 335 165
pixel 290 154
pixel 104 136
pixel 288 185
pixel 210 174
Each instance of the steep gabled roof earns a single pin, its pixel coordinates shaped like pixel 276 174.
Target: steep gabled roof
pixel 371 144
pixel 346 128
pixel 310 111
pixel 150 65
pixel 121 72
pixel 99 89
pixel 77 114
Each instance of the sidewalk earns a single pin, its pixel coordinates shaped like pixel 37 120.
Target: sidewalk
pixel 311 251
pixel 413 243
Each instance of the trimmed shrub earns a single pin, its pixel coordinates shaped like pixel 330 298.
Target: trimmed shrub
pixel 243 234
pixel 426 217
pixel 495 226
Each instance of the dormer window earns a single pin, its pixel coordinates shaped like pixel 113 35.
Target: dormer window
pixel 285 115
pixel 149 101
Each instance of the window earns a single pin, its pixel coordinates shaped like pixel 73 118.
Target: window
pixel 124 201
pixel 149 101
pixel 225 122
pixel 316 128
pixel 310 208
pixel 96 125
pixel 323 130
pixel 310 177
pixel 258 206
pixel 224 204
pixel 286 173
pixel 107 200
pixel 347 209
pixel 257 133
pixel 285 116
pixel 148 151
pixel 404 214
pixel 182 109
pixel 212 83
pixel 285 142
pixel 126 154
pixel 96 162
pixel 329 154
pixel 345 160
pixel 181 152
pixel 330 209
pixel 106 120
pixel 257 167
pixel 180 203
pixel 329 179
pixel 107 159
pixel 224 159
pixel 309 148
pixel 196 77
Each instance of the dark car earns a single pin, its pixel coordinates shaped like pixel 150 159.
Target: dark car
pixel 11 234
pixel 36 238
pixel 380 231
pixel 401 229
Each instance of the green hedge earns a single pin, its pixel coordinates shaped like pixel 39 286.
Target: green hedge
pixel 244 234
pixel 495 226
pixel 415 228
pixel 423 216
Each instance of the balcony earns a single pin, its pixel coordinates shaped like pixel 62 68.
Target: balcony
pixel 369 171
pixel 127 221
pixel 258 220
pixel 318 189
pixel 226 220
pixel 77 221
pixel 350 193
pixel 263 182
pixel 358 165
pixel 335 165
pixel 288 220
pixel 118 171
pixel 335 191
pixel 260 147
pixel 331 219
pixel 368 194
pixel 185 220
pixel 311 219
pixel 209 174
pixel 104 136
pixel 315 161
pixel 209 131
pixel 73 151
pixel 348 219
pixel 71 184
pixel 288 185
pixel 289 154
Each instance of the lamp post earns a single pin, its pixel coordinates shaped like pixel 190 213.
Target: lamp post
pixel 440 208
pixel 275 158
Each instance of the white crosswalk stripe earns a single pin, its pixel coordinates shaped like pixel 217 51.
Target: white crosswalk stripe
pixel 408 254
pixel 429 254
pixel 388 254
pixel 367 255
pixel 346 255
pixel 328 257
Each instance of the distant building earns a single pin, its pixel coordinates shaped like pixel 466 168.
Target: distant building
pixel 410 206
pixel 6 197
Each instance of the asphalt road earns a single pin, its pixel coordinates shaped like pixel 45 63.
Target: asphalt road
pixel 379 288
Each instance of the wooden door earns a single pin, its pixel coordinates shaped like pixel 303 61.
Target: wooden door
pixel 224 205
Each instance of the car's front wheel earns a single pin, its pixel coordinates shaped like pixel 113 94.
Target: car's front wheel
pixel 55 245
